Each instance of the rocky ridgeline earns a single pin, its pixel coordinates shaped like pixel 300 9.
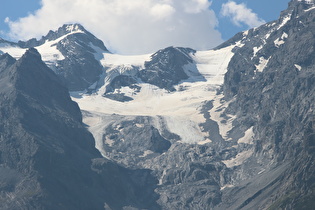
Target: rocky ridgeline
pixel 272 80
pixel 79 69
pixel 47 157
pixel 268 89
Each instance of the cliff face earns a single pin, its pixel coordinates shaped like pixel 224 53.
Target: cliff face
pixel 184 138
pixel 48 158
pixel 44 145
pixel 71 55
pixel 272 81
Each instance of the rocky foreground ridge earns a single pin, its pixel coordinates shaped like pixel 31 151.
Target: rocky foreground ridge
pixel 47 157
pixel 237 134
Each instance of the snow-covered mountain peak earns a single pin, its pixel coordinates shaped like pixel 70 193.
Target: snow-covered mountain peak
pixel 74 28
pixel 61 32
pixel 66 29
pixel 69 51
pixel 206 124
pixel 129 95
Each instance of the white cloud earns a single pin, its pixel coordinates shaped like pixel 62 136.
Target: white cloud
pixel 7 20
pixel 240 14
pixel 125 26
pixel 196 6
pixel 161 11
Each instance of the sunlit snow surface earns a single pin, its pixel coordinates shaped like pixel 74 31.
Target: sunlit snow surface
pixel 49 52
pixel 280 41
pixel 15 51
pixel 180 111
pixel 262 64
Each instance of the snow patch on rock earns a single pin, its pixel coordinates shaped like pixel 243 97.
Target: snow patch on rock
pixel 262 64
pixel 285 20
pixel 248 137
pixel 280 41
pixel 180 111
pixel 298 67
pixel 239 159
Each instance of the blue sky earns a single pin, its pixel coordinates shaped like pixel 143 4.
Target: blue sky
pixel 164 20
pixel 268 10
pixel 10 9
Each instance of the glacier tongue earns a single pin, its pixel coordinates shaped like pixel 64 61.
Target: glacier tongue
pixel 180 110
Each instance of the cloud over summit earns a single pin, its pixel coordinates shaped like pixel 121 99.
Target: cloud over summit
pixel 128 27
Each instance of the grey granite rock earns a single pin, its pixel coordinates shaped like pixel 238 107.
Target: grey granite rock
pixel 39 131
pixel 48 158
pixel 278 102
pixel 274 100
pixel 79 70
pixel 166 67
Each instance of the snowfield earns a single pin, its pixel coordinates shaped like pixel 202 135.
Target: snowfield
pixel 49 52
pixel 15 51
pixel 180 111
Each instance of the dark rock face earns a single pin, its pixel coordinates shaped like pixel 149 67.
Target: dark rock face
pixel 41 134
pixel 274 100
pixel 189 175
pixel 126 189
pixel 62 31
pixel 117 83
pixel 5 61
pixel 133 138
pixel 166 67
pixel 270 86
pixel 79 69
pixel 278 102
pixel 118 97
pixel 47 157
pixel 123 81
